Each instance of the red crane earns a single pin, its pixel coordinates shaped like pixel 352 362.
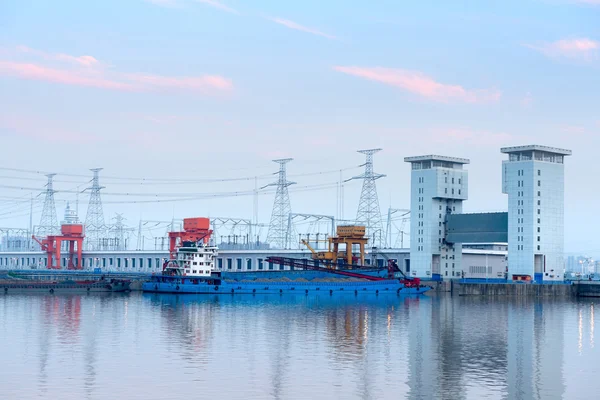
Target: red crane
pixel 73 235
pixel 194 230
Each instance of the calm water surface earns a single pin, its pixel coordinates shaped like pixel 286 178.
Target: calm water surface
pixel 139 346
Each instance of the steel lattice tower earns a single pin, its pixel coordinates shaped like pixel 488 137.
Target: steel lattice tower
pixel 278 232
pixel 368 207
pixel 49 221
pixel 95 229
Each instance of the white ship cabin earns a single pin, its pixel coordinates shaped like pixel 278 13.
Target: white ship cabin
pixel 193 260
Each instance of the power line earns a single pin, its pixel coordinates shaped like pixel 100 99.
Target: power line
pixel 164 181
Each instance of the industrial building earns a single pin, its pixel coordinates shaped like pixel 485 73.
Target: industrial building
pixel 524 243
pixel 533 177
pixel 438 187
pixel 533 227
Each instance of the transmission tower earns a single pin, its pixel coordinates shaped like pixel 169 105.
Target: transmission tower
pixel 49 221
pixel 277 235
pixel 368 207
pixel 95 229
pixel 120 233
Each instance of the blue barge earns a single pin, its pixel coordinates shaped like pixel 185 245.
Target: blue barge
pixel 192 271
pixel 215 285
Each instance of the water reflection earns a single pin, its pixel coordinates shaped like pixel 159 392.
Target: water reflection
pixel 297 346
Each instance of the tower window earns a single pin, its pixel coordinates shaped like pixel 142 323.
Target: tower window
pixel 539 183
pixel 539 172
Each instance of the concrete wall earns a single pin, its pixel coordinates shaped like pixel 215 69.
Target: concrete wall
pixel 484 266
pixel 514 289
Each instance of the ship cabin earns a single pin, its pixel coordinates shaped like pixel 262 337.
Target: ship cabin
pixel 194 263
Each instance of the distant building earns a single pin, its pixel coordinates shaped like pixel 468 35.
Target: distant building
pixel 571 264
pixel 439 185
pixel 533 179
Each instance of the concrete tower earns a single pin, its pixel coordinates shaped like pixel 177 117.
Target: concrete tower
pixel 438 187
pixel 533 178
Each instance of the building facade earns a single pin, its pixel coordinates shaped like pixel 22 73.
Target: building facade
pixel 533 179
pixel 476 263
pixel 439 185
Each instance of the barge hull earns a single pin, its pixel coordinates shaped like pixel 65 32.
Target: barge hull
pixel 57 288
pixel 379 287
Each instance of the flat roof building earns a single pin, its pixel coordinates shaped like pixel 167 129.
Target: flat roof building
pixel 533 179
pixel 439 185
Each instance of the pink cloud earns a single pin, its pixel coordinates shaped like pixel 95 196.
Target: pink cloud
pixel 65 77
pixel 219 5
pixel 187 83
pixel 298 27
pixel 421 85
pixel 85 61
pixel 85 74
pixel 583 48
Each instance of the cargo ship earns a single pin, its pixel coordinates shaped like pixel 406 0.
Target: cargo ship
pixel 191 269
pixel 65 286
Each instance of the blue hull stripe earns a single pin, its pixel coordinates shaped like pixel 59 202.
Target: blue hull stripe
pixel 388 286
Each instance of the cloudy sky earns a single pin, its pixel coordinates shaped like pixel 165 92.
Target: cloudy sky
pixel 196 91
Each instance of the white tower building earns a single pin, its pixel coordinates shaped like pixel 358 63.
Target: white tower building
pixel 70 216
pixel 438 187
pixel 533 177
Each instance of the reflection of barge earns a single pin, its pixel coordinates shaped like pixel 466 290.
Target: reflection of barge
pixel 192 270
pixel 66 286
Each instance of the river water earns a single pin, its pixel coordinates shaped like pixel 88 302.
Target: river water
pixel 141 346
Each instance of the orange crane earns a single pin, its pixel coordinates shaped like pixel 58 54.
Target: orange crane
pixel 73 235
pixel 347 235
pixel 194 230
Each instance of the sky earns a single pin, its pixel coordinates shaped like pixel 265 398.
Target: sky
pixel 180 97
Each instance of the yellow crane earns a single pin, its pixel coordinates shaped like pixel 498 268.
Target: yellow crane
pixel 347 235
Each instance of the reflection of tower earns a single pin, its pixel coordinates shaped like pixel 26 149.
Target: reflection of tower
pixel 549 347
pixel 535 350
pixel 369 213
pixel 423 349
pixel 277 235
pixel 520 350
pixel 95 229
pixel 90 359
pixel 48 222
